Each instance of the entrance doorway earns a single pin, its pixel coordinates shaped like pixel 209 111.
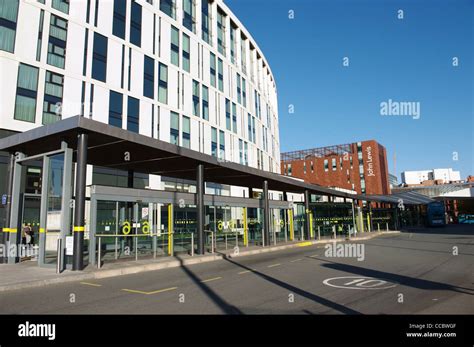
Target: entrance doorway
pixel 30 222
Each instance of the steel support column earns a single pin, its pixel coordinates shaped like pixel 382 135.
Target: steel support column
pixel 266 214
pixel 371 224
pixel 80 203
pixel 5 233
pixel 14 238
pixel 43 210
pixel 200 208
pixel 308 213
pixel 354 227
pixel 66 202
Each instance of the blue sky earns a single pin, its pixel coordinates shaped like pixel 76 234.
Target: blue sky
pixel 403 60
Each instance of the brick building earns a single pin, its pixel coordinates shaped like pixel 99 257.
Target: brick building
pixel 360 166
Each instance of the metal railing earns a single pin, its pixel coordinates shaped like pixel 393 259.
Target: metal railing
pixel 167 244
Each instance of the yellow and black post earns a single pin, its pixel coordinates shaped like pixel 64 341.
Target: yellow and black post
pixel 6 230
pixel 80 202
pixel 266 214
pixel 308 211
pixel 200 208
pixel 246 228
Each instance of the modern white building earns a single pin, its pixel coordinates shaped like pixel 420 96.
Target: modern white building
pixel 183 71
pixel 418 177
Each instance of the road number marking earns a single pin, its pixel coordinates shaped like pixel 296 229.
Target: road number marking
pixel 358 282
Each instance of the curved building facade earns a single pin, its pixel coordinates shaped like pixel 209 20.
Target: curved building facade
pixel 183 71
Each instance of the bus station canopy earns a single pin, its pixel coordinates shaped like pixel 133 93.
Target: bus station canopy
pixel 407 198
pixel 116 148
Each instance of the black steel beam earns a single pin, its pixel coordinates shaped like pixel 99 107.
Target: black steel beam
pixel 308 211
pixel 79 203
pixel 266 214
pixel 4 235
pixel 200 208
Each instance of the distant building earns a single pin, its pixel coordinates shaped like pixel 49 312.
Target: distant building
pixel 430 177
pixel 393 181
pixel 360 167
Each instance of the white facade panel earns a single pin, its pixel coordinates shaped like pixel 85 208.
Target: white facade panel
pixel 145 118
pixel 136 85
pixel 25 48
pixel 100 106
pixel 105 16
pixel 74 49
pixel 71 105
pixel 165 124
pixel 114 71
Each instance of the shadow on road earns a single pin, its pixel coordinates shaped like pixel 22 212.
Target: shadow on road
pixel 296 290
pixel 404 280
pixel 223 305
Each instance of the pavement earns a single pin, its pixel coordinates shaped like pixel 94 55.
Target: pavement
pixel 28 275
pixel 424 271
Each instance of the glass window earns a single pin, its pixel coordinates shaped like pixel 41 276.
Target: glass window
pixel 228 122
pixel 233 32
pixel 326 165
pixel 234 118
pixel 254 138
pixel 214 142
pixel 188 15
pixel 133 114
pixel 26 93
pixel 220 73
pixel 61 5
pixel 246 157
pixel 213 69
pixel 120 13
pixel 257 106
pixel 163 84
pixel 174 128
pixel 334 164
pixel 8 19
pixel 205 21
pixel 239 89
pixel 221 144
pixel 289 170
pixel 196 98
pixel 249 127
pixel 186 53
pixel 221 18
pixel 99 58
pixel 243 52
pixel 149 77
pixel 205 103
pixel 241 152
pixel 40 36
pixel 115 109
pixel 57 41
pixel 136 24
pixel 168 7
pixel 174 46
pixel 53 96
pixel 186 132
pixel 244 93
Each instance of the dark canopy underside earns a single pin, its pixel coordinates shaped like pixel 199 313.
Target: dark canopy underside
pixel 116 148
